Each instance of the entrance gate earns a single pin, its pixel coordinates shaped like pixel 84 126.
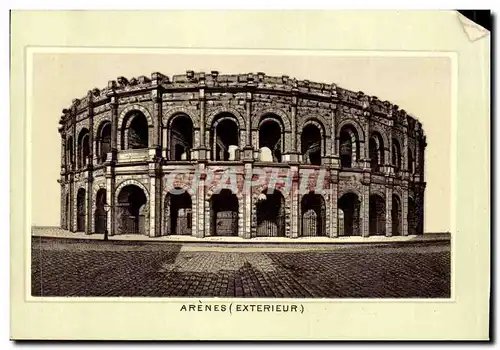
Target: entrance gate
pixel 313 215
pixel 271 215
pixel 224 210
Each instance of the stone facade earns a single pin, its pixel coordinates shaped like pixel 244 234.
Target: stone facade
pixel 198 154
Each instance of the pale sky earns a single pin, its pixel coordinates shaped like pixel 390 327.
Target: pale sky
pixel 421 86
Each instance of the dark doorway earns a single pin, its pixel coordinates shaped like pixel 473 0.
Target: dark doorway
pixel 104 142
pixel 83 148
pixel 313 215
pixel 376 147
pixel 396 216
pixel 135 131
pixel 311 145
pixel 181 138
pixel 69 153
pixel 81 212
pixel 224 213
pixel 131 210
pixel 270 137
pixel 349 221
pixel 348 146
pixel 396 155
pixel 178 213
pixel 377 215
pixel 225 138
pixel 411 161
pixel 100 219
pixel 271 215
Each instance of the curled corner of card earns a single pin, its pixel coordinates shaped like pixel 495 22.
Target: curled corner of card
pixel 473 30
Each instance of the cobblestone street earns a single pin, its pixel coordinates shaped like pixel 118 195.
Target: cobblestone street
pixel 79 268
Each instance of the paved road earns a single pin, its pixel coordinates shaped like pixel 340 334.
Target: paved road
pixel 71 268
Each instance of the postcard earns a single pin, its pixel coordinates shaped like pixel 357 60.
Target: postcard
pixel 319 177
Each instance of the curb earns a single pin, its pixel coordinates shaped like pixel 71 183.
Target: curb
pixel 437 240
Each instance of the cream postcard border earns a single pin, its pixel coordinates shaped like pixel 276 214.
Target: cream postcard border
pixel 465 317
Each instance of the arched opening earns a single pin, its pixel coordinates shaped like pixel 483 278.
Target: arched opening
pixel 411 161
pixel 396 216
pixel 377 215
pixel 181 138
pixel 348 146
pixel 270 137
pixel 83 148
pixel 224 213
pixel 376 146
pixel 135 131
pixel 100 218
pixel 131 210
pixel 349 221
pixel 412 216
pixel 311 144
pixel 80 208
pixel 69 153
pixel 225 138
pixel 178 213
pixel 313 215
pixel 103 142
pixel 396 155
pixel 271 214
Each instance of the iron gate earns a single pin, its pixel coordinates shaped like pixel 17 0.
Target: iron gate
pixel 183 222
pixel 271 228
pixel 226 223
pixel 310 224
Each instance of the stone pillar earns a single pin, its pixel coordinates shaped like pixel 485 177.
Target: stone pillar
pixel 71 191
pixel 404 152
pixel 404 211
pixel 90 204
pixel 294 207
pixel 64 156
pixel 248 151
pixel 335 116
pixel 417 159
pixel 388 207
pixel 364 214
pixel 110 200
pixel 333 130
pixel 293 154
pixel 89 227
pixel 248 116
pixel 388 153
pixel 200 197
pixel 74 208
pixel 333 229
pixel 202 150
pixel 154 201
pixel 366 142
pixel 114 122
pixel 91 128
pixel 157 122
pixel 247 198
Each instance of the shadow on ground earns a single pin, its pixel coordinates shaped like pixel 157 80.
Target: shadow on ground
pixel 137 269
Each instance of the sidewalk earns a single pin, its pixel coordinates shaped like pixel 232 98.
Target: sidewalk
pixel 55 232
